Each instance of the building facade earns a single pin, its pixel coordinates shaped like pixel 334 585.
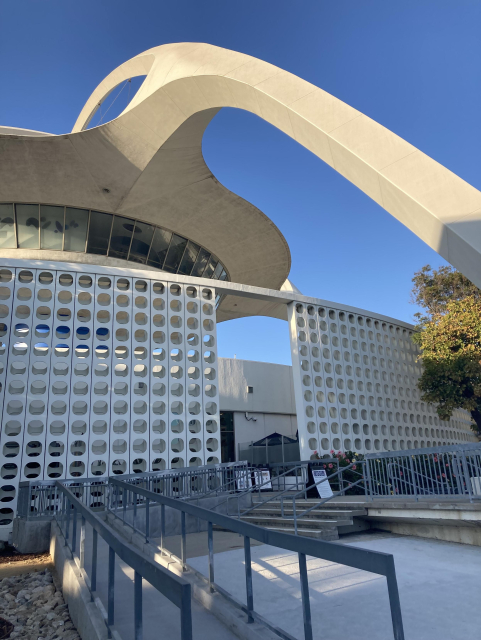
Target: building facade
pixel 120 252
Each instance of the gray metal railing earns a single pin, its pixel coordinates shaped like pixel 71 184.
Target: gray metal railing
pixel 125 495
pixel 453 470
pixel 173 587
pixel 39 498
pixel 287 493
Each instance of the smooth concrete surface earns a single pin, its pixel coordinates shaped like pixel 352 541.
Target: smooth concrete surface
pixel 221 504
pixel 197 543
pixel 31 536
pixel 442 518
pixel 273 387
pixel 438 585
pixel 86 615
pixel 161 619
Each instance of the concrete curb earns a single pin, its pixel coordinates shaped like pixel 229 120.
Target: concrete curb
pixel 85 614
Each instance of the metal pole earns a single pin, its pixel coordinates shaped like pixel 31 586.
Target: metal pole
pixel 138 606
pixel 111 590
pixel 210 544
pixel 147 520
pixel 413 478
pixel 162 526
pixel 67 527
pixel 82 543
pixel 396 616
pixel 124 502
pixel 93 581
pixel 249 591
pixel 74 531
pixel 134 497
pixel 183 550
pixel 306 605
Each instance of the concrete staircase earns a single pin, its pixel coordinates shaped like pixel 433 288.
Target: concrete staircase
pixel 327 522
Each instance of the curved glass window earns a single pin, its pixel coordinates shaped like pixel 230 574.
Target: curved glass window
pixel 57 228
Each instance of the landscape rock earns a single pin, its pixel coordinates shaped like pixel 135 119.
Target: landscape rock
pixel 36 608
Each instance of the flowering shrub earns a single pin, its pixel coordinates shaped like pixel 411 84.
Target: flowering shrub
pixel 352 475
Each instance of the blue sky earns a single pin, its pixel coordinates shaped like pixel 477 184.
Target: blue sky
pixel 412 65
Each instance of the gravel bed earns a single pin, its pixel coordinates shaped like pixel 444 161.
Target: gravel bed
pixel 36 607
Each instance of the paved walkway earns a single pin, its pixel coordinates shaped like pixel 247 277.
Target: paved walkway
pixel 161 618
pixel 439 586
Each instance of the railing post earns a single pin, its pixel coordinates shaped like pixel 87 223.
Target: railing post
pixel 82 543
pixel 210 544
pixel 295 514
pixel 138 606
pixel 183 550
pixel 368 485
pixel 124 502
pixel 413 477
pixel 147 520
pixel 306 605
pixel 467 477
pixel 67 526
pixel 74 531
pixel 396 616
pixel 162 526
pixel 134 497
pixel 93 580
pixel 111 589
pixel 249 591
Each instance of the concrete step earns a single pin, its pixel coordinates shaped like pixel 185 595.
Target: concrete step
pixel 320 534
pixel 325 514
pixel 305 523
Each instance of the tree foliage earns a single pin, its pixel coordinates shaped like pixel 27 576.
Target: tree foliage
pixel 450 342
pixel 434 289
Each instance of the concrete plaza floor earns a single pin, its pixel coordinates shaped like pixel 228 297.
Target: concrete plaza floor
pixel 439 585
pixel 161 619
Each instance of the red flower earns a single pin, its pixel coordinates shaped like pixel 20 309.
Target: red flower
pixel 330 465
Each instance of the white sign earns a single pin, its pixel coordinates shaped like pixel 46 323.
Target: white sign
pixel 323 488
pixel 243 480
pixel 263 476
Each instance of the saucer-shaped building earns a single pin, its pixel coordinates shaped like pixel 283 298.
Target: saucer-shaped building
pixel 120 251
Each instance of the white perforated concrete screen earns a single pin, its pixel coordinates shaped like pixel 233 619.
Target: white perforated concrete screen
pixel 355 385
pixel 103 374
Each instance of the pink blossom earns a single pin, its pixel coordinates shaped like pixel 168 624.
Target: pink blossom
pixel 353 467
pixel 331 451
pixel 401 473
pixel 435 459
pixel 324 466
pixel 447 464
pixel 348 461
pixel 444 475
pixel 330 465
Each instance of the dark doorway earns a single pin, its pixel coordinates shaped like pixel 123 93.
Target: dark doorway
pixel 227 436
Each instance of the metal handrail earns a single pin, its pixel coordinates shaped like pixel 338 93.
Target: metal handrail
pixel 303 491
pixel 257 487
pixel 41 495
pixel 366 560
pixel 173 587
pixel 429 472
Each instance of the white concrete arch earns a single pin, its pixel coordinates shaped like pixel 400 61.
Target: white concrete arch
pixel 187 78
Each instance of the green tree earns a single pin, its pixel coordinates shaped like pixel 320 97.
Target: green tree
pixel 450 342
pixel 433 289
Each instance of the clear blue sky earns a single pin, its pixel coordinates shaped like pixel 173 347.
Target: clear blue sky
pixel 412 65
